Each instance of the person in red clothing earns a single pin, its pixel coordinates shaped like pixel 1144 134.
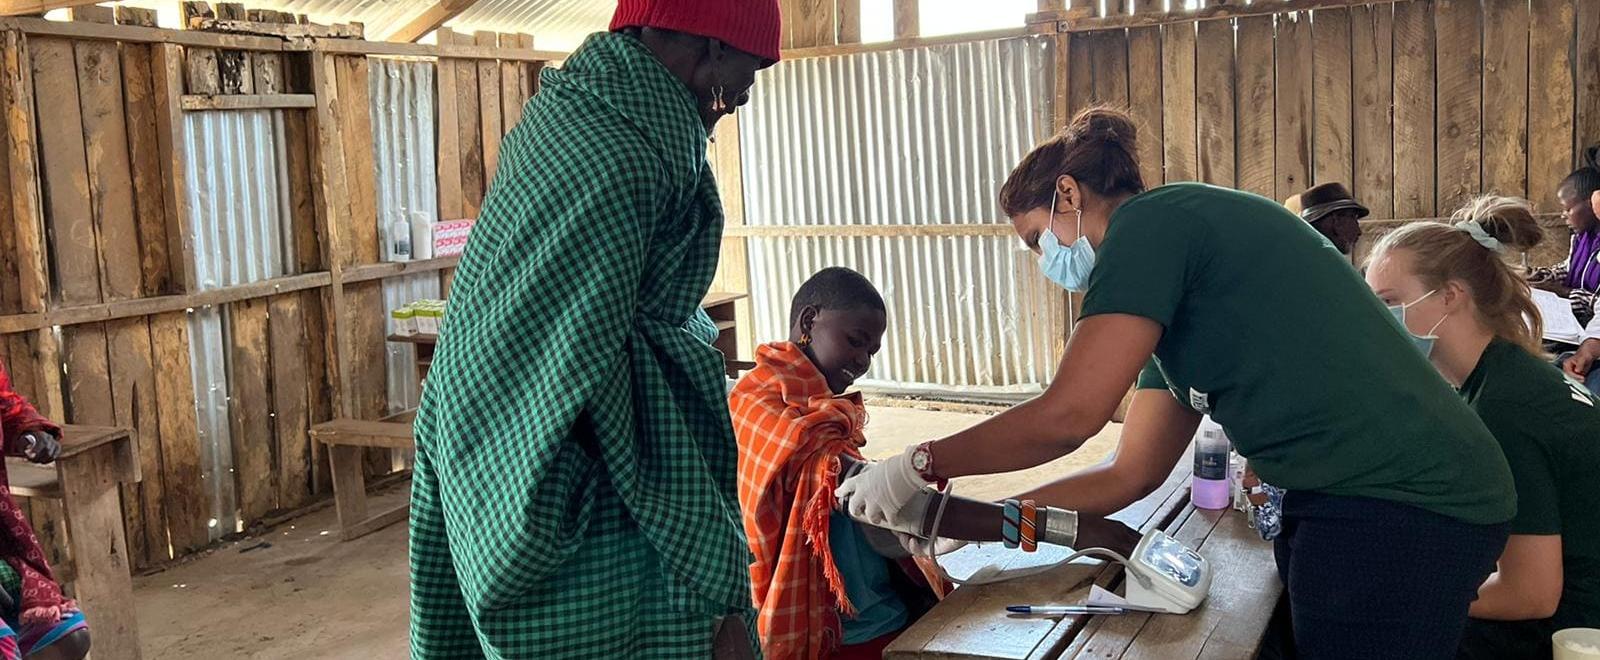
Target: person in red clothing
pixel 37 621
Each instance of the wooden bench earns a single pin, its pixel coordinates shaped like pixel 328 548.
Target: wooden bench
pixel 346 440
pixel 93 462
pixel 973 623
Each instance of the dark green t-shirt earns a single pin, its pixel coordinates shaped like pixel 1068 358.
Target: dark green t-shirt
pixel 1549 429
pixel 1269 330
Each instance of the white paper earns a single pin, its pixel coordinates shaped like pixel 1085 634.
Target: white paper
pixel 1107 598
pixel 982 562
pixel 1556 312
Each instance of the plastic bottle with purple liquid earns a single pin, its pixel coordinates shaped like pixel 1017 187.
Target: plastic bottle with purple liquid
pixel 1211 488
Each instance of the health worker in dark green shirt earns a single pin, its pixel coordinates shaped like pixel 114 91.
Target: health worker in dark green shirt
pixel 1468 309
pixel 1398 495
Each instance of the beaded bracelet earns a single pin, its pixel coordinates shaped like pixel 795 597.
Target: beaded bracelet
pixel 1030 515
pixel 1011 524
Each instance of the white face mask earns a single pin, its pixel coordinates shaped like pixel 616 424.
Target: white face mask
pixel 1068 266
pixel 1425 342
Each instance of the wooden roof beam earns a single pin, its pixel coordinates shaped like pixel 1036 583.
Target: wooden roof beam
pixel 431 18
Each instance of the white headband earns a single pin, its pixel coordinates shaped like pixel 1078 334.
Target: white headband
pixel 1483 238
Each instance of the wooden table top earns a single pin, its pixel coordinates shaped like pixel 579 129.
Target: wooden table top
pixel 76 439
pixel 973 623
pixel 715 298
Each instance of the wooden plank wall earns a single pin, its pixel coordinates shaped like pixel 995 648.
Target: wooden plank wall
pixel 96 216
pixel 479 102
pixel 1416 105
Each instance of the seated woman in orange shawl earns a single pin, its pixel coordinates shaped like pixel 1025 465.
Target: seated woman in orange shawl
pixel 826 586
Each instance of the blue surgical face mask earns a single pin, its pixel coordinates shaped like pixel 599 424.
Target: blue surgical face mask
pixel 1067 266
pixel 1423 343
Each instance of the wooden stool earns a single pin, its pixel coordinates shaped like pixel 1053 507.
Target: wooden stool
pixel 346 439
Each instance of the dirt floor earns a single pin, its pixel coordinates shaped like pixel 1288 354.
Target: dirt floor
pixel 297 592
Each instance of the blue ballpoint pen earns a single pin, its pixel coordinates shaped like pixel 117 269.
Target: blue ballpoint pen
pixel 1065 609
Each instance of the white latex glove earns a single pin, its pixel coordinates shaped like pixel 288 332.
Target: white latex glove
pixel 878 492
pixel 922 547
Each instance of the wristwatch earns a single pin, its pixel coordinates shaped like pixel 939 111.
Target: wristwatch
pixel 922 462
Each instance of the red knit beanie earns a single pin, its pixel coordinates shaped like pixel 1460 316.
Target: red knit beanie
pixel 748 25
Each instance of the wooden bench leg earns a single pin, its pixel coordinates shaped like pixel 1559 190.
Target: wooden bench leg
pixel 349 486
pixel 104 585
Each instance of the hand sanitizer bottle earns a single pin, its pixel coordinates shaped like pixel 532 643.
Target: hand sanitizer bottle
pixel 400 240
pixel 1210 488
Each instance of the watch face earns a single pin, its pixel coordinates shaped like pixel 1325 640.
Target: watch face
pixel 919 459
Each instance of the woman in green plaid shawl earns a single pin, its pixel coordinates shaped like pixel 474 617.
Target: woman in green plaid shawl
pixel 575 491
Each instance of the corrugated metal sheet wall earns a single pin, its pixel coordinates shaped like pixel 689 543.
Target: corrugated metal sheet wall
pixel 236 173
pixel 403 151
pixel 908 137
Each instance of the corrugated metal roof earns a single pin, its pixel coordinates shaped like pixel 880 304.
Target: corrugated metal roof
pixel 555 24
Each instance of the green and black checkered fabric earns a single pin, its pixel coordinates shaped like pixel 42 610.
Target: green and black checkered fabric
pixel 575 491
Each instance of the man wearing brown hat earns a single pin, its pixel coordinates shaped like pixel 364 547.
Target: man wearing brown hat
pixel 1330 209
pixel 576 490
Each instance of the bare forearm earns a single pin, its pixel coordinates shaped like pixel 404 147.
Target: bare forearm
pixel 1155 437
pixel 1097 491
pixel 1024 436
pixel 972 520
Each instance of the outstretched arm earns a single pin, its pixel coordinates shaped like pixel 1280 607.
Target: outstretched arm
pixel 967 519
pixel 1154 439
pixel 1103 357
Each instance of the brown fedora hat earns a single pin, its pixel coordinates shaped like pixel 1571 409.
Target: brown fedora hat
pixel 1327 198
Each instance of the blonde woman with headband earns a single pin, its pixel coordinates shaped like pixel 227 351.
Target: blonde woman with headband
pixel 1470 313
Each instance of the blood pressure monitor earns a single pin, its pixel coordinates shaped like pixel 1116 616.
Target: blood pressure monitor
pixel 1166 575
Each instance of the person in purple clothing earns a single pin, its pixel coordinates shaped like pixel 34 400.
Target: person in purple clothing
pixel 1578 278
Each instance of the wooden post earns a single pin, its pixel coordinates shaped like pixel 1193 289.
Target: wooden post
pixel 1334 156
pixel 511 80
pixel 1551 89
pixel 167 69
pixel 1372 80
pixel 100 550
pixel 26 206
pixel 907 19
pixel 1294 110
pixel 848 21
pixel 733 269
pixel 1182 154
pixel 1414 86
pixel 449 142
pixel 1214 102
pixel 489 102
pixel 808 23
pixel 1459 52
pixel 1505 96
pixel 1061 317
pixel 1254 107
pixel 34 358
pixel 332 203
pixel 1145 98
